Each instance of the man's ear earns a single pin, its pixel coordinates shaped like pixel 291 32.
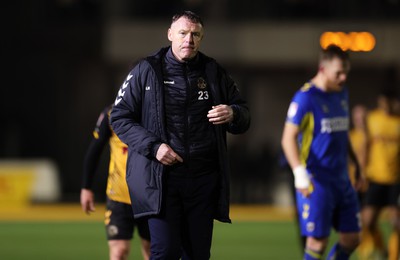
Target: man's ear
pixel 169 33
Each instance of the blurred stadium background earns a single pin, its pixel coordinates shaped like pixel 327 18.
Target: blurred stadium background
pixel 64 60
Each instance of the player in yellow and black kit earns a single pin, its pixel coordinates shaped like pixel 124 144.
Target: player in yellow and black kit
pixel 119 219
pixel 383 175
pixel 358 138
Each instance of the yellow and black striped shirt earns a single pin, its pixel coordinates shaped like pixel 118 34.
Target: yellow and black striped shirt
pixel 117 188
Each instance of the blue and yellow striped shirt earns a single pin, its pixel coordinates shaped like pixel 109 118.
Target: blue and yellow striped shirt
pixel 323 120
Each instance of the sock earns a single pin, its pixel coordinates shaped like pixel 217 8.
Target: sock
pixel 367 244
pixel 394 246
pixel 338 253
pixel 371 242
pixel 378 240
pixel 312 255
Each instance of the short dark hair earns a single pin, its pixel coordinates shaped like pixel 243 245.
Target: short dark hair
pixel 334 51
pixel 193 17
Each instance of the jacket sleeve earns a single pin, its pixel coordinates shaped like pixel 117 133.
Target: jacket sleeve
pixel 126 114
pixel 241 114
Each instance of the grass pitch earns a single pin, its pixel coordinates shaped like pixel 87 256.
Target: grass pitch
pixel 64 232
pixel 86 240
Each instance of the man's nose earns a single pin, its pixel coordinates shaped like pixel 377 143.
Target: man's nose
pixel 189 37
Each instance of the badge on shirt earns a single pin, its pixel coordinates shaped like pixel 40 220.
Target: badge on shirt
pixel 292 109
pixel 201 83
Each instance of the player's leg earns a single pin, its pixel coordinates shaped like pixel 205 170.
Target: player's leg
pixel 119 249
pixel 346 221
pixel 315 218
pixel 119 227
pixel 394 238
pixel 394 216
pixel 394 246
pixel 315 248
pixel 347 243
pixel 372 242
pixel 144 233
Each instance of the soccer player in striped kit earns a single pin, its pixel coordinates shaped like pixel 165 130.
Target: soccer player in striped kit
pixel 383 175
pixel 316 144
pixel 119 218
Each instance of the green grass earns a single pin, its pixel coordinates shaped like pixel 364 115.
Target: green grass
pixel 86 240
pixel 255 240
pixel 52 240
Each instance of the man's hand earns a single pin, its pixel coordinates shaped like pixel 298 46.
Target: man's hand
pixel 361 183
pixel 220 114
pixel 87 201
pixel 167 156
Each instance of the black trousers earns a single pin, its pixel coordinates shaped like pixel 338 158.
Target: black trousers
pixel 185 226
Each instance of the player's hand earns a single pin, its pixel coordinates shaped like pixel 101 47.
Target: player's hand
pixel 306 192
pixel 87 201
pixel 361 183
pixel 220 114
pixel 167 156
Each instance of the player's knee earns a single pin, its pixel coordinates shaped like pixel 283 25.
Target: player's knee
pixel 350 243
pixel 395 223
pixel 396 226
pixel 119 252
pixel 350 247
pixel 317 244
pixel 369 226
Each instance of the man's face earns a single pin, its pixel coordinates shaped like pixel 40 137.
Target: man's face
pixel 335 71
pixel 185 38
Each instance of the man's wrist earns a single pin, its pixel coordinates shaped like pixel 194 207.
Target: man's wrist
pixel 155 149
pixel 301 177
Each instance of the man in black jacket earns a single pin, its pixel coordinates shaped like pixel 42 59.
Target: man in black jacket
pixel 173 111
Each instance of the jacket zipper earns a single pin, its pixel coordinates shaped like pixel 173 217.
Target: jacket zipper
pixel 188 97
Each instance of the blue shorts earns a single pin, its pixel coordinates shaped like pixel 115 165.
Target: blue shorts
pixel 332 204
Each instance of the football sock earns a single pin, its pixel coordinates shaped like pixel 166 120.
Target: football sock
pixel 311 254
pixel 378 240
pixel 338 253
pixel 394 246
pixel 371 241
pixel 367 244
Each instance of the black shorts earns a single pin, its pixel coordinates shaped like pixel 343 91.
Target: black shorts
pixel 381 195
pixel 120 223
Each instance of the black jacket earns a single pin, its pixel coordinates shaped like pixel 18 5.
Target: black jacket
pixel 138 119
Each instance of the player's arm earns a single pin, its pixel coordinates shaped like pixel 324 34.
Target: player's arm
pixel 359 164
pixel 366 145
pixel 101 136
pixel 292 153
